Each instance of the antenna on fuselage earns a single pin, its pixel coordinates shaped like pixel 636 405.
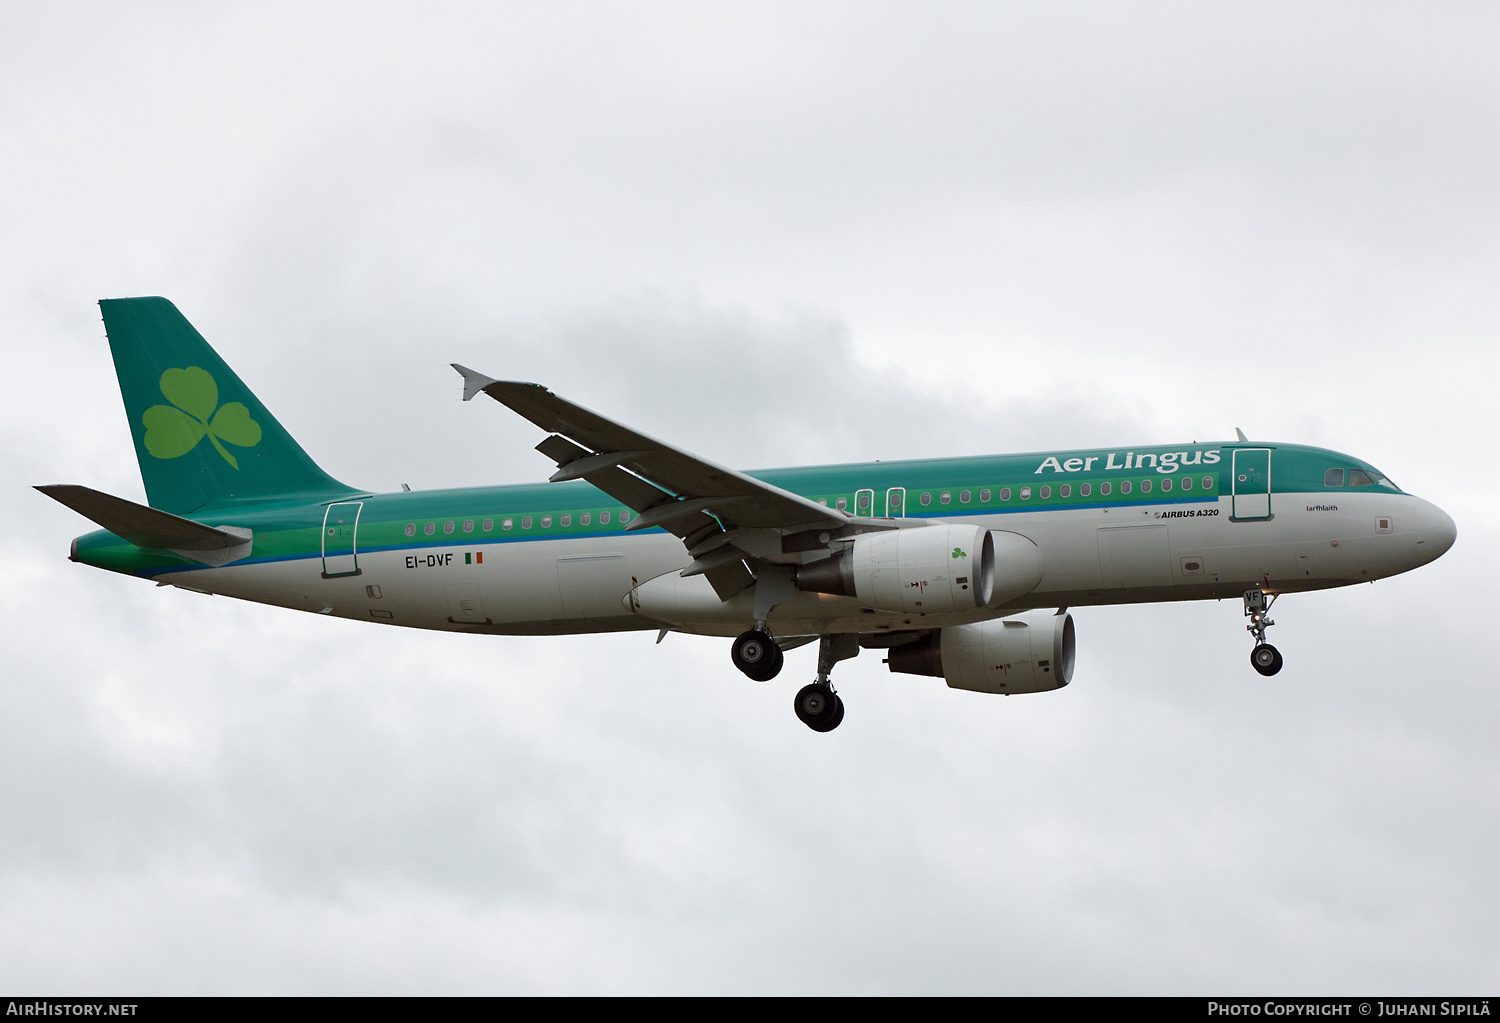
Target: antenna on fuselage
pixel 1241 435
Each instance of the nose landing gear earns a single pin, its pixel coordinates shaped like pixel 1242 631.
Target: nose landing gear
pixel 1265 658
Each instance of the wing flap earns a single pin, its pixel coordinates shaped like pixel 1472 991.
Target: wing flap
pixel 631 491
pixel 727 580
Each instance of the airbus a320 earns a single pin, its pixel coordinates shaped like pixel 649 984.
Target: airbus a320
pixel 961 568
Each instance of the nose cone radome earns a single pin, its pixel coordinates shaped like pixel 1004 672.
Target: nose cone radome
pixel 1435 530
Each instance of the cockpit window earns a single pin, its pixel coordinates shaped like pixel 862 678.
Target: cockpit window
pixel 1382 480
pixel 1333 478
pixel 1360 478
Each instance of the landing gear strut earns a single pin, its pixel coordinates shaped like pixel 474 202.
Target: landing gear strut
pixel 1265 658
pixel 757 655
pixel 817 705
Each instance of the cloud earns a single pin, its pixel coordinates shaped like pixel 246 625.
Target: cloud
pixel 774 235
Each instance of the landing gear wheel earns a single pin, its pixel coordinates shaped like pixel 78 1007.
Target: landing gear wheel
pixel 819 707
pixel 756 654
pixel 838 713
pixel 1266 659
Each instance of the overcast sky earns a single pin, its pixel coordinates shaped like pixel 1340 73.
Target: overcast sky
pixel 776 234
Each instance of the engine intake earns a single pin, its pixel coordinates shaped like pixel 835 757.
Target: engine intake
pixel 1029 653
pixel 929 570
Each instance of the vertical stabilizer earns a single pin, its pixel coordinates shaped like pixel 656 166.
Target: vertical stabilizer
pixel 200 435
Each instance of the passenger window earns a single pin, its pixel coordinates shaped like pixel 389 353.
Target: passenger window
pixel 468 525
pixel 1005 493
pixel 604 518
pixel 1025 493
pixel 1066 490
pixel 1208 483
pixel 842 504
pixel 1358 478
pixel 946 497
pixel 507 523
pixel 526 522
pixel 926 498
pixel 567 520
pixel 624 515
pixel 447 527
pixel 411 529
pixel 1085 489
pixel 1125 487
pixel 1047 491
pixel 429 529
pixel 1187 483
pixel 1166 484
pixel 546 521
pixel 1333 478
pixel 489 524
pixel 1105 488
pixel 584 518
pixel 984 496
pixel 963 497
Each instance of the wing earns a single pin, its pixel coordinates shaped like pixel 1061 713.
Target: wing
pixel 723 516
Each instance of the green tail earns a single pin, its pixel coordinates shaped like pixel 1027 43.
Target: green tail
pixel 200 435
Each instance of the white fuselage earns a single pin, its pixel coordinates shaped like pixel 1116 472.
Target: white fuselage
pixel 1090 556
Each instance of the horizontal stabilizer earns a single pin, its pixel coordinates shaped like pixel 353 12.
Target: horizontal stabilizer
pixel 146 527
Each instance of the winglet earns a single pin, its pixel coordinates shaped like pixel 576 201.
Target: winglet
pixel 1241 435
pixel 473 382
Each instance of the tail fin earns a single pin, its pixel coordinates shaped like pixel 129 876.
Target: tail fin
pixel 200 435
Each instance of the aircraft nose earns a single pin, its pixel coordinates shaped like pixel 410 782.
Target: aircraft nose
pixel 1435 530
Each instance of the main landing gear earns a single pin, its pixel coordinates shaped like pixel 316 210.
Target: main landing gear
pixel 757 655
pixel 817 705
pixel 1265 658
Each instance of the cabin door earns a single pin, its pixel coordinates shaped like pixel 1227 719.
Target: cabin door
pixel 1250 483
pixel 340 555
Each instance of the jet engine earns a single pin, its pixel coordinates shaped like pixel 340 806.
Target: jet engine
pixel 1029 653
pixel 929 569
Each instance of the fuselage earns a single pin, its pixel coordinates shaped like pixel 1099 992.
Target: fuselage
pixel 1187 522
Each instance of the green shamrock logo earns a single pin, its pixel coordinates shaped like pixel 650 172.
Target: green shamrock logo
pixel 958 553
pixel 174 430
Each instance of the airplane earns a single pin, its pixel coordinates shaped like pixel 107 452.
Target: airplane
pixel 960 568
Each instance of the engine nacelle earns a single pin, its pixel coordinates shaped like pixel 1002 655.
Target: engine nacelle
pixel 1029 653
pixel 929 569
